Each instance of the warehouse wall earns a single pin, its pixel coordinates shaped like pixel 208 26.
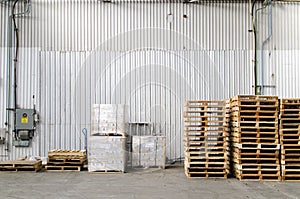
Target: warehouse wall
pixel 151 56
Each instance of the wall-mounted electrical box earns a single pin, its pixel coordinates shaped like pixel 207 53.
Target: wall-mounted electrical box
pixel 25 119
pixel 25 126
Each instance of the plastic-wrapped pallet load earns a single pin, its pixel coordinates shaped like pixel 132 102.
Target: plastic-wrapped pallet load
pixel 148 151
pixel 109 119
pixel 107 153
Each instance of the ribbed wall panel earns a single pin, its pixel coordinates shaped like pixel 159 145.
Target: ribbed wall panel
pixel 152 56
pixel 85 25
pixel 27 87
pixel 287 70
pixel 154 83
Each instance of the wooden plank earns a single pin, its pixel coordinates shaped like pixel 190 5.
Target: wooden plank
pixel 62 168
pixel 106 172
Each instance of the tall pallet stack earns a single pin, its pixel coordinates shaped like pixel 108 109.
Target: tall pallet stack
pixel 205 139
pixel 254 136
pixel 290 139
pixel 107 143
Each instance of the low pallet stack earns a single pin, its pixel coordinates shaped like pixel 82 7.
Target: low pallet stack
pixel 254 137
pixel 21 165
pixel 290 139
pixel 205 139
pixel 65 160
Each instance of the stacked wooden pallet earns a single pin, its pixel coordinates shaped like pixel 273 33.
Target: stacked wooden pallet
pixel 21 165
pixel 205 139
pixel 254 136
pixel 290 139
pixel 227 129
pixel 65 160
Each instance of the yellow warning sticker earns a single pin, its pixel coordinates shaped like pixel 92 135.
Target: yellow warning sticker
pixel 24 120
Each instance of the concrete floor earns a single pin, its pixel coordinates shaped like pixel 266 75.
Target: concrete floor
pixel 142 183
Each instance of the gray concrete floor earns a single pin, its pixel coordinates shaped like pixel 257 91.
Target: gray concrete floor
pixel 141 183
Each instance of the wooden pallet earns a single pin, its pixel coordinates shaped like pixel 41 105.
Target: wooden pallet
pixel 255 140
pixel 256 166
pixel 67 154
pixel 207 174
pixel 206 143
pixel 289 141
pixel 247 116
pixel 223 164
pixel 256 124
pixel 258 160
pixel 236 115
pixel 259 177
pixel 256 146
pixel 209 154
pixel 254 97
pixel 203 160
pixel 252 156
pixel 61 168
pixel 257 150
pixel 290 161
pixel 24 165
pixel 214 135
pixel 262 135
pixel 203 147
pixel 106 172
pixel 290 101
pixel 291 172
pixel 65 161
pixel 290 114
pixel 291 178
pixel 242 172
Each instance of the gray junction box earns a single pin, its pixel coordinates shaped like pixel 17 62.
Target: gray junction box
pixel 25 119
pixel 24 127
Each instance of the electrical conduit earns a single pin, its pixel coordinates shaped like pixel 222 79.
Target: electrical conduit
pixel 266 3
pixel 8 61
pixel 262 48
pixel 8 69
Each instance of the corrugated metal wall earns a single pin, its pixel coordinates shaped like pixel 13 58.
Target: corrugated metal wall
pixel 152 56
pixel 154 83
pixel 83 25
